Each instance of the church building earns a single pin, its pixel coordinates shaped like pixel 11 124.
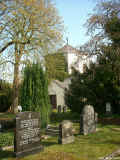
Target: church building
pixel 75 58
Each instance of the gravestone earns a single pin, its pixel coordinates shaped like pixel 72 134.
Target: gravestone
pixel 108 108
pixel 52 130
pixel 66 132
pixel 96 120
pixel 59 109
pixel 64 109
pixel 27 138
pixel 88 120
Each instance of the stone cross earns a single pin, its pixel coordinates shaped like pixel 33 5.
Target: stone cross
pixel 88 120
pixel 66 132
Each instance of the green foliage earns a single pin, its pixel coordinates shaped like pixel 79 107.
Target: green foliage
pixel 104 22
pixel 7 123
pixel 59 117
pixel 56 66
pixel 112 28
pixel 75 93
pixel 101 82
pixel 34 92
pixel 98 85
pixel 7 115
pixel 5 96
pixel 6 139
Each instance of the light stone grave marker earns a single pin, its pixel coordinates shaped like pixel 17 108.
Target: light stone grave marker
pixel 88 120
pixel 66 132
pixel 108 108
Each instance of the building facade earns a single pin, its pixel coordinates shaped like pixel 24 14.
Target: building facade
pixel 75 58
pixel 56 92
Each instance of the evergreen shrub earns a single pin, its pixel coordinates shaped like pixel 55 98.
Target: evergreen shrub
pixel 34 92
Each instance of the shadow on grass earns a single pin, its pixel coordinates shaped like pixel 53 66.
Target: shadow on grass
pixel 78 134
pixel 114 142
pixel 6 154
pixel 47 143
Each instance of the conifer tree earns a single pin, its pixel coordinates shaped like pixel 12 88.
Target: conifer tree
pixel 34 92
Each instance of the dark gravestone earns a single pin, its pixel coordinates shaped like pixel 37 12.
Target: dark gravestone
pixel 27 138
pixel 64 109
pixel 66 132
pixel 59 109
pixel 88 120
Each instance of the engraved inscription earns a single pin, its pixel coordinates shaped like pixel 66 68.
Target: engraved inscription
pixel 29 134
pixel 29 123
pixel 32 140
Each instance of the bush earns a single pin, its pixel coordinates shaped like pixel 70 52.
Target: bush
pixel 59 117
pixel 7 124
pixel 6 139
pixel 34 92
pixel 5 96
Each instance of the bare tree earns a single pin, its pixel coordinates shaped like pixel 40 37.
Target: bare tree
pixel 28 27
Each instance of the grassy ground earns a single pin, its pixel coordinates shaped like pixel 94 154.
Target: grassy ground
pixel 6 115
pixel 6 138
pixel 91 147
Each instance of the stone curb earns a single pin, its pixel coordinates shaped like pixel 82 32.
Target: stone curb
pixel 6 148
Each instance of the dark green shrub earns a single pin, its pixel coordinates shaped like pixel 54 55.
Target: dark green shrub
pixel 5 96
pixel 59 117
pixel 34 92
pixel 6 139
pixel 7 124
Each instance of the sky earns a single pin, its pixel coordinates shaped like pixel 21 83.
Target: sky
pixel 74 14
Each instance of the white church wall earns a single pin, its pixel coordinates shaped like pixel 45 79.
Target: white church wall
pixel 72 58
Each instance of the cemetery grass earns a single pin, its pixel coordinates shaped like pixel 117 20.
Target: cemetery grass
pixel 4 116
pixel 91 147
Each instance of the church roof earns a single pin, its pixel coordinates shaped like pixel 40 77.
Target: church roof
pixel 65 84
pixel 69 49
pixel 59 83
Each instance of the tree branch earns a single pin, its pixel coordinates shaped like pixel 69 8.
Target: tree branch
pixel 13 42
pixel 6 46
pixel 7 62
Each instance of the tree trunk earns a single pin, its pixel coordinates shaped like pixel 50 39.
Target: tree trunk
pixel 16 82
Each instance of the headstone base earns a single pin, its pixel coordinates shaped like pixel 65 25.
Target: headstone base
pixel 29 151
